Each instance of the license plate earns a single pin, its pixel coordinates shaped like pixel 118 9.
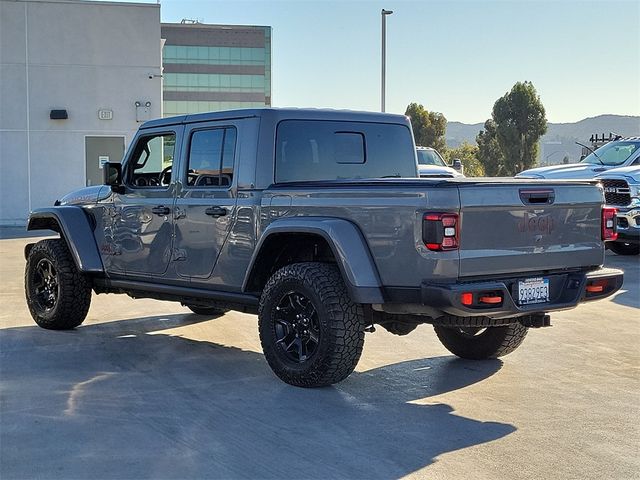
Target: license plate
pixel 533 290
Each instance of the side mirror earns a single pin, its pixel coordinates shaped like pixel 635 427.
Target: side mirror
pixel 582 157
pixel 112 175
pixel 457 164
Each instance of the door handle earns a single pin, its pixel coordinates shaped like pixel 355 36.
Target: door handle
pixel 216 211
pixel 161 210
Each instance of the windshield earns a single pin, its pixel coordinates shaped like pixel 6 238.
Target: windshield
pixel 613 153
pixel 430 157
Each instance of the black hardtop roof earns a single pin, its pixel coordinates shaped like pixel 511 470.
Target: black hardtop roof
pixel 279 114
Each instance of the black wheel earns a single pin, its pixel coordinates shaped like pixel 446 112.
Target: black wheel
pixel 311 332
pixel 58 295
pixel 621 248
pixel 478 343
pixel 208 311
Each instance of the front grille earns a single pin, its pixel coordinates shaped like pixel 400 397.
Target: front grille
pixel 616 192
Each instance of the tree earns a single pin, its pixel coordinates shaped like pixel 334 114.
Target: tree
pixel 520 121
pixel 428 127
pixel 489 153
pixel 468 155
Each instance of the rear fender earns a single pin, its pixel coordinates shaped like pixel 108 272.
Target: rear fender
pixel 74 227
pixel 349 248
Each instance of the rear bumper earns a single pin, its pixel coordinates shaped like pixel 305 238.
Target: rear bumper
pixel 566 290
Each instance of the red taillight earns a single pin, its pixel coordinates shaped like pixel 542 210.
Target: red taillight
pixel 466 298
pixel 440 231
pixel 609 224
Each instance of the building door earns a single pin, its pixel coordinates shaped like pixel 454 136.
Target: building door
pixel 99 150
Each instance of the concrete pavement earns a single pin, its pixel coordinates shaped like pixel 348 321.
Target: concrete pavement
pixel 145 389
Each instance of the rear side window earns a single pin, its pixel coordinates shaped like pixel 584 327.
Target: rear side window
pixel 321 150
pixel 211 155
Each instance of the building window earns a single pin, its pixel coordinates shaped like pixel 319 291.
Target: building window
pixel 214 55
pixel 213 82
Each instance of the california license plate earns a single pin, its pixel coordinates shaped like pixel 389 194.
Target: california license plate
pixel 533 290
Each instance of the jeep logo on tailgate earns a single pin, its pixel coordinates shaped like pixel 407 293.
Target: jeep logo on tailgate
pixel 536 223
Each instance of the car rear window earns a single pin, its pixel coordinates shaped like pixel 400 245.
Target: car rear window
pixel 323 150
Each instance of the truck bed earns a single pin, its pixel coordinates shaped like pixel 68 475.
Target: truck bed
pixel 506 225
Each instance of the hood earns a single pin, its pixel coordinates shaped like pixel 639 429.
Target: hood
pixel 87 195
pixel 569 171
pixel 631 173
pixel 434 170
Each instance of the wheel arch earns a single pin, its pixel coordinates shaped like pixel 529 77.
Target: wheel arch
pixel 75 228
pixel 299 239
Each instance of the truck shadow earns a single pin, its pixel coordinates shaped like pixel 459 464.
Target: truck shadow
pixel 113 400
pixel 629 294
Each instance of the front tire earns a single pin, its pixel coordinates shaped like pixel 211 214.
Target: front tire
pixel 311 332
pixel 477 343
pixel 58 294
pixel 621 248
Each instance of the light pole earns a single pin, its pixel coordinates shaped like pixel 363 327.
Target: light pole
pixel 384 14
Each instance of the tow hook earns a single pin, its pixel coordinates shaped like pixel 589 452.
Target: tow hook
pixel 536 321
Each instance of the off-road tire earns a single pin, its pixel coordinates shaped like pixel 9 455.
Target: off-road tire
pixel 207 311
pixel 340 325
pixel 621 248
pixel 492 342
pixel 71 304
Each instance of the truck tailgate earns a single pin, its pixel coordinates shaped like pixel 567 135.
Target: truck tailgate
pixel 520 227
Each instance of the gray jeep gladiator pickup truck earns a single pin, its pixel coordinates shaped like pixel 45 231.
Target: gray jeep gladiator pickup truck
pixel 317 221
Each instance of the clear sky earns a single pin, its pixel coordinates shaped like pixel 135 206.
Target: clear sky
pixel 455 57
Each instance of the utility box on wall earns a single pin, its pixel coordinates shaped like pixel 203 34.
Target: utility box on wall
pixel 143 111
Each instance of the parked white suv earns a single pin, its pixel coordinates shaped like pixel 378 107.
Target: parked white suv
pixel 431 164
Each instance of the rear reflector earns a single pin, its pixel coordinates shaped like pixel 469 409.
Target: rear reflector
pixel 440 231
pixel 491 299
pixel 609 232
pixel 596 286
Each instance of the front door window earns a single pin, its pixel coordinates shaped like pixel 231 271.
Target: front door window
pixel 152 161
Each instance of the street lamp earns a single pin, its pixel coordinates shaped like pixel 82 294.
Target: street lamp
pixel 384 14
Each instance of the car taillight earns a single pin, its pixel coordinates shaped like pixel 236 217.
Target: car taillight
pixel 440 231
pixel 609 224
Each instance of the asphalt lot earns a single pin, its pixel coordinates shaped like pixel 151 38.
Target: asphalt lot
pixel 145 389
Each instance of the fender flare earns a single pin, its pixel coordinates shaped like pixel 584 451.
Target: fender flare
pixel 74 227
pixel 349 247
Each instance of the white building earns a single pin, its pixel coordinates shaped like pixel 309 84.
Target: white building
pixel 98 64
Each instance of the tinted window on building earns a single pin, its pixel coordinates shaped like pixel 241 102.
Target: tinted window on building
pixel 211 155
pixel 315 150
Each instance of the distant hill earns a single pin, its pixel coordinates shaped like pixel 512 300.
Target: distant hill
pixel 560 138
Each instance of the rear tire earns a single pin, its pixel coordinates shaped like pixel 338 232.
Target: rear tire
pixel 58 294
pixel 477 343
pixel 207 311
pixel 311 332
pixel 621 248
